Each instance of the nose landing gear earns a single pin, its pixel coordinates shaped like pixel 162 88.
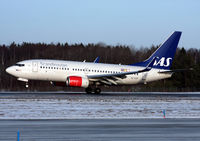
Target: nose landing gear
pixel 24 80
pixel 26 85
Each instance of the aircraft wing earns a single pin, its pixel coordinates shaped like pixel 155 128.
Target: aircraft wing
pixel 111 78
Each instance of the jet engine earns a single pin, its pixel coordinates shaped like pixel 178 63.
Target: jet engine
pixel 77 81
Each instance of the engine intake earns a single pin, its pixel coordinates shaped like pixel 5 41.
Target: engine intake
pixel 77 81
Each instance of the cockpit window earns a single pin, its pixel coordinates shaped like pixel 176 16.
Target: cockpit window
pixel 20 65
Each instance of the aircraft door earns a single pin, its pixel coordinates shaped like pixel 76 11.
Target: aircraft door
pixel 86 70
pixel 35 66
pixel 144 77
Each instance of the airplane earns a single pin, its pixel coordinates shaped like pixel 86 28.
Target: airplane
pixel 92 75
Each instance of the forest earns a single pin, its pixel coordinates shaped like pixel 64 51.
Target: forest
pixel 118 54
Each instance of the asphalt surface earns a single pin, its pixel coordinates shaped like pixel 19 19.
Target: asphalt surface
pixel 104 95
pixel 101 130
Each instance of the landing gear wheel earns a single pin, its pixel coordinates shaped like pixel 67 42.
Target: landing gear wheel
pixel 97 91
pixel 26 85
pixel 88 90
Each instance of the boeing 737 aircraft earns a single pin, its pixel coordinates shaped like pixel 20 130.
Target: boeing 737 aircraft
pixel 91 75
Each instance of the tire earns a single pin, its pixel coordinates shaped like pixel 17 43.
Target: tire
pixel 97 91
pixel 88 90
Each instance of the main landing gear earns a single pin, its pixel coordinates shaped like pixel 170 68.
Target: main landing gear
pixel 89 90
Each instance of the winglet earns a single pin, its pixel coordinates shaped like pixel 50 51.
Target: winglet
pixel 96 60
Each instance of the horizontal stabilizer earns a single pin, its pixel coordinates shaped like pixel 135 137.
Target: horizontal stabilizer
pixel 176 70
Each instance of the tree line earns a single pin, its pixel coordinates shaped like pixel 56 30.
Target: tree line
pixel 118 54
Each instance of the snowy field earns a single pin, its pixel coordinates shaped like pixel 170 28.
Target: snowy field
pixel 79 106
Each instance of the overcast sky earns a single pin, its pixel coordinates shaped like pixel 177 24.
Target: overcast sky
pixel 126 22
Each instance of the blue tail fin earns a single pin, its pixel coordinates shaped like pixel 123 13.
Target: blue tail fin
pixel 165 53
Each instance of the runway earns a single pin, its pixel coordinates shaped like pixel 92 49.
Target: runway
pixel 100 130
pixel 62 94
pixel 103 95
pixel 60 105
pixel 60 116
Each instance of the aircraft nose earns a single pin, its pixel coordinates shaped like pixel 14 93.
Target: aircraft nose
pixel 9 70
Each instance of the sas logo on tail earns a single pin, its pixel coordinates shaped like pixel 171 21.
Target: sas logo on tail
pixel 162 62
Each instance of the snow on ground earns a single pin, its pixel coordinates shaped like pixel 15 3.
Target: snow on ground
pixel 89 108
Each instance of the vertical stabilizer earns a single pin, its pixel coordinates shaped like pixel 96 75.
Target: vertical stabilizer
pixel 165 53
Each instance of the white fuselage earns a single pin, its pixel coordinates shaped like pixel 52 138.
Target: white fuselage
pixel 57 70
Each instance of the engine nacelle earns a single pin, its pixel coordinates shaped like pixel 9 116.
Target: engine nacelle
pixel 77 81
